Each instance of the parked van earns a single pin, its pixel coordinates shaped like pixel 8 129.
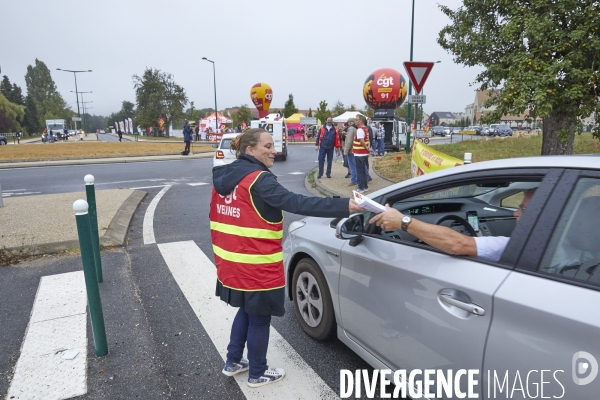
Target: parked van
pixel 278 131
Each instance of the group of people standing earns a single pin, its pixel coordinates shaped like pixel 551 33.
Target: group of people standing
pixel 356 141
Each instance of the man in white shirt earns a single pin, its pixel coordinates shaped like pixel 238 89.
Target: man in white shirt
pixel 447 239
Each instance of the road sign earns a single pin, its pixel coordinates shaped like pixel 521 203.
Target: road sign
pixel 418 71
pixel 418 132
pixel 308 120
pixel 78 119
pixel 466 132
pixel 416 99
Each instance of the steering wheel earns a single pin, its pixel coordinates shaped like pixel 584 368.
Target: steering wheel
pixel 458 219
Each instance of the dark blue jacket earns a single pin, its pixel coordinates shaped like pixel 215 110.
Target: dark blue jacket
pixel 187 133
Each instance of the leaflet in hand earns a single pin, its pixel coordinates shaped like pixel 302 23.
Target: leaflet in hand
pixel 367 203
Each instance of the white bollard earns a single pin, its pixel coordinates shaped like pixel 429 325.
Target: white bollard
pixel 468 157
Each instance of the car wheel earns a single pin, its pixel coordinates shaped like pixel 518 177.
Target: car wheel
pixel 2 143
pixel 312 300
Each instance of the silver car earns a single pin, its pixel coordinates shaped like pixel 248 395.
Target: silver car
pixel 401 304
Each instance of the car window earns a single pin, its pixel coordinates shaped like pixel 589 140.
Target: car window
pixel 225 143
pixel 574 248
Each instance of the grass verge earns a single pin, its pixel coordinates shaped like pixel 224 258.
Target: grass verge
pixel 483 150
pixel 92 149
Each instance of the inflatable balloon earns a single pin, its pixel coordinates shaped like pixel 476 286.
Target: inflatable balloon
pixel 385 88
pixel 261 95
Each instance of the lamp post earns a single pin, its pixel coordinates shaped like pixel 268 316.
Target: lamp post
pixel 84 124
pixel 215 82
pixel 412 32
pixel 75 75
pixel 77 94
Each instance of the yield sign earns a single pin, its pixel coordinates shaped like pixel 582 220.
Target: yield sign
pixel 418 71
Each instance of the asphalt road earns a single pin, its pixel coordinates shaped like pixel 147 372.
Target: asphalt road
pixel 178 356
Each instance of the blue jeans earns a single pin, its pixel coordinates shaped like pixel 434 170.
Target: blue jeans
pixel 252 330
pixel 322 153
pixel 380 146
pixel 362 163
pixel 352 166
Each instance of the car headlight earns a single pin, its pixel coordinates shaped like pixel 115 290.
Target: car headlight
pixel 295 225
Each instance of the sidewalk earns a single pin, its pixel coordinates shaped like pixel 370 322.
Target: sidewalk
pixel 337 185
pixel 45 224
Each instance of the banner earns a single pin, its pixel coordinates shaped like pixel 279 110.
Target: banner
pixel 425 160
pixel 117 126
pixel 130 125
pixel 161 122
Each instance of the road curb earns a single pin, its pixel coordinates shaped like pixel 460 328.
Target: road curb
pixel 323 189
pixel 117 229
pixel 114 236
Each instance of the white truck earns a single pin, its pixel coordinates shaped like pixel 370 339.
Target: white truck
pixel 57 126
pixel 278 131
pixel 395 132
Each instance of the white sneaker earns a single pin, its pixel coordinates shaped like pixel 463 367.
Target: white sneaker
pixel 269 376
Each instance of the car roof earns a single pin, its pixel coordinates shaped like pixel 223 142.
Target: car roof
pixel 230 135
pixel 583 161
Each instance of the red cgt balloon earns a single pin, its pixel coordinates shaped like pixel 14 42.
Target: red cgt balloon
pixel 385 88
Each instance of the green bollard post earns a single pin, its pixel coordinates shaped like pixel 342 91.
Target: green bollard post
pixel 89 271
pixel 91 199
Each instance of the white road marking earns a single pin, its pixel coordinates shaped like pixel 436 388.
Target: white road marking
pixel 198 184
pixel 196 275
pixel 146 187
pixel 135 180
pixel 15 190
pixel 296 173
pixel 18 194
pixel 57 324
pixel 149 217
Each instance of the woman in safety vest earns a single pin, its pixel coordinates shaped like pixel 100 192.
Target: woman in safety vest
pixel 246 223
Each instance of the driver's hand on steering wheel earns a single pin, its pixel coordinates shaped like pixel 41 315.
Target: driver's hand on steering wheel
pixel 389 220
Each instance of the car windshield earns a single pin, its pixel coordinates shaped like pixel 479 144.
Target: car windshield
pixel 456 192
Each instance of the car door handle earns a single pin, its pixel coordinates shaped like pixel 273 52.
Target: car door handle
pixel 470 307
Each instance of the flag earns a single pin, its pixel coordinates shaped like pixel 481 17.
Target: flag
pixel 244 126
pixel 412 126
pixel 425 159
pixel 426 127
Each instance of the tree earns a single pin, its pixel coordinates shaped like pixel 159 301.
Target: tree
pixel 289 108
pixel 11 115
pixel 402 112
pixel 322 113
pixel 352 108
pixel 31 120
pixel 49 104
pixel 157 95
pixel 310 113
pixel 243 114
pixel 13 93
pixel 338 109
pixel 368 111
pixel 539 57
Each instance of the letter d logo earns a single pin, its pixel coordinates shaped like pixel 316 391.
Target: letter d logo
pixel 581 367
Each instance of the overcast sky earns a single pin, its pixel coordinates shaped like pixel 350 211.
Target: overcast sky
pixel 315 49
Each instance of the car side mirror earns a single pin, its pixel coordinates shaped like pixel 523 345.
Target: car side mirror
pixel 350 228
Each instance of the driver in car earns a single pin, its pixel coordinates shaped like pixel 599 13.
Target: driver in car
pixel 447 239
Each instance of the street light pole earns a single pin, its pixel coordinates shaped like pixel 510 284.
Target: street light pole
pixel 75 75
pixel 412 32
pixel 215 82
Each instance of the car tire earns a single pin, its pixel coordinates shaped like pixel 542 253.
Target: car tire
pixel 2 143
pixel 312 300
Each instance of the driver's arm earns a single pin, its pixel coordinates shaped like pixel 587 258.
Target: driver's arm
pixel 438 236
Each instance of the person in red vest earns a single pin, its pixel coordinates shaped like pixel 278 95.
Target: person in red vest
pixel 246 223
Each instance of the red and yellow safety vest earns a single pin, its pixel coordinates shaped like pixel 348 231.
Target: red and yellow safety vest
pixel 247 248
pixel 357 147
